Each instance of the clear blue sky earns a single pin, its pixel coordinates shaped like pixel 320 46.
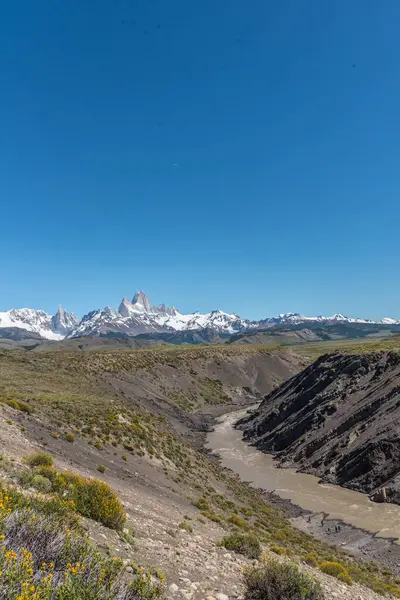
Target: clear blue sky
pixel 230 154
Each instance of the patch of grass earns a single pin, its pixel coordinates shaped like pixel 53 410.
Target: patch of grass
pixel 70 437
pixel 18 405
pixel 278 581
pixel 101 469
pixel 39 458
pixel 246 544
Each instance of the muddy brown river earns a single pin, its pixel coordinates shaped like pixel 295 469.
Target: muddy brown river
pixel 303 490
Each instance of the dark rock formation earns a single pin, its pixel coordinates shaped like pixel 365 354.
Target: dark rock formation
pixel 338 419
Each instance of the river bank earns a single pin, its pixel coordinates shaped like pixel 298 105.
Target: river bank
pixel 341 517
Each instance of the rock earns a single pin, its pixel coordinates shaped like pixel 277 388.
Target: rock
pixel 129 569
pixel 379 495
pixel 228 556
pixel 186 594
pixel 173 588
pixel 210 598
pixel 221 596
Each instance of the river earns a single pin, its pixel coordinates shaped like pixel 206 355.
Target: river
pixel 260 469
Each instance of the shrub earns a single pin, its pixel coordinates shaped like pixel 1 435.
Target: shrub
pixel 44 555
pixel 277 550
pixel 41 484
pixel 93 498
pixel 47 471
pixel 202 504
pixel 39 458
pixel 238 521
pixel 18 405
pixel 186 526
pixel 336 570
pixel 70 437
pixel 281 582
pixel 246 544
pixel 101 468
pixel 345 577
pixel 310 559
pixel 5 462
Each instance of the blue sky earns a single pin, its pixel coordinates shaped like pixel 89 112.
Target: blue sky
pixel 235 155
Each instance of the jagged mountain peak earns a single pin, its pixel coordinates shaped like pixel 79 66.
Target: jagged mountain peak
pixel 140 316
pixel 38 321
pixel 63 321
pixel 141 301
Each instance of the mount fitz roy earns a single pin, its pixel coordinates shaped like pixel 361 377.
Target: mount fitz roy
pixel 140 317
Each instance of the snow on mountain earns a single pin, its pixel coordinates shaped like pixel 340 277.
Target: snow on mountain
pixel 294 318
pixel 139 316
pixel 38 321
pixel 63 322
pixel 388 321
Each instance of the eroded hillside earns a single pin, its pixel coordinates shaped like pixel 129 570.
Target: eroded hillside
pixel 126 418
pixel 338 419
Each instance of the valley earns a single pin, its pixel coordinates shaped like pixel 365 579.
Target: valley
pixel 137 420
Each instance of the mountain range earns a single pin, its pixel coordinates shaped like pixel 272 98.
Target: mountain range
pixel 138 316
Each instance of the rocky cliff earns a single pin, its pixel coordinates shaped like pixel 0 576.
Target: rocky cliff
pixel 338 419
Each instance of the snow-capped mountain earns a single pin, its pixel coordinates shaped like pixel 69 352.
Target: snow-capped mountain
pixel 139 316
pixel 54 327
pixel 294 318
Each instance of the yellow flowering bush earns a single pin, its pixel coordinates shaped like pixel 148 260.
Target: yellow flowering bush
pixel 44 555
pixel 93 498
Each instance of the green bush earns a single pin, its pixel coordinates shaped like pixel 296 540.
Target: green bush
pixel 238 521
pixel 281 582
pixel 41 484
pixel 39 458
pixel 277 550
pixel 101 469
pixel 47 471
pixel 246 544
pixel 186 526
pixel 337 570
pixel 70 437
